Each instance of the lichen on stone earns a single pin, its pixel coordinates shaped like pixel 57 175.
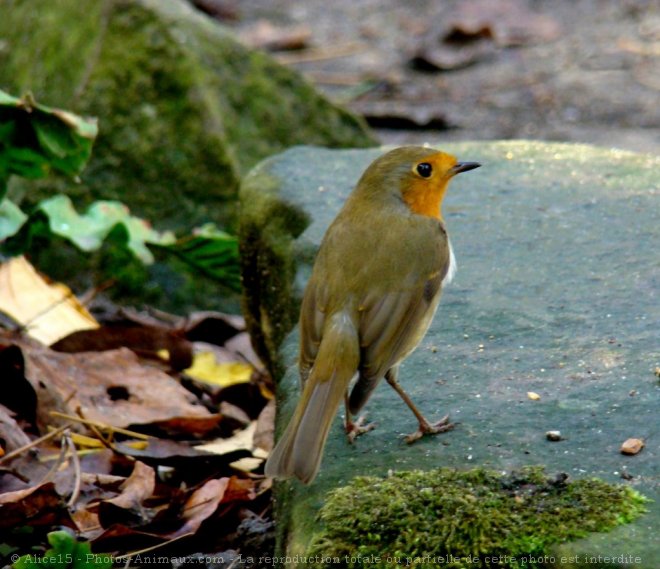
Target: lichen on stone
pixel 464 519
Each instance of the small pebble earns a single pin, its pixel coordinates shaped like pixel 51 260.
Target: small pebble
pixel 632 446
pixel 553 435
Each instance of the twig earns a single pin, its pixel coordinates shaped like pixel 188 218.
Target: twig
pixel 34 443
pixel 100 425
pixel 76 470
pixel 58 462
pixel 153 547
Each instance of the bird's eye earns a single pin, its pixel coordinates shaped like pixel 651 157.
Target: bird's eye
pixel 424 170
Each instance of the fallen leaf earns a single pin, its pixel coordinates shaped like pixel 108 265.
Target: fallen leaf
pixel 212 327
pixel 265 431
pixel 22 470
pixel 109 387
pixel 384 114
pixel 632 446
pixel 190 427
pixel 433 55
pixel 143 340
pixel 242 345
pixel 12 436
pixel 266 35
pixel 219 9
pixel 87 523
pixel 201 505
pixel 190 465
pixel 508 22
pixel 17 393
pixel 48 312
pixel 533 396
pixel 36 506
pixel 207 369
pixel 128 506
pixel 242 440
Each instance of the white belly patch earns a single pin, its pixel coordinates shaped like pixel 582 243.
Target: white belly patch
pixel 451 271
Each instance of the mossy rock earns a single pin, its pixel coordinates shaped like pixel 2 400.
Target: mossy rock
pixel 554 294
pixel 184 111
pixel 473 519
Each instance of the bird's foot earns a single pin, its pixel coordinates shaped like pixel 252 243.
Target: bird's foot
pixel 426 428
pixel 356 428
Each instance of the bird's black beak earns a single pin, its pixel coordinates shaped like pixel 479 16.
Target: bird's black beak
pixel 464 167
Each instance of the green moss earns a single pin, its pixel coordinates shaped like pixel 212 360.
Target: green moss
pixel 472 519
pixel 267 231
pixel 184 112
pixel 184 109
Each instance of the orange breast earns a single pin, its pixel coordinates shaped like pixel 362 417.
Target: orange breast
pixel 424 198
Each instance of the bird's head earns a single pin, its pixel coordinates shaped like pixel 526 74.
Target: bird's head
pixel 416 175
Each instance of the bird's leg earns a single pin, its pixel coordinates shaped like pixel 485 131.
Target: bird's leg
pixel 425 428
pixel 355 428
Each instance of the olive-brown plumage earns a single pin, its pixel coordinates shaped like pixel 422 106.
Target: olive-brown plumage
pixel 375 286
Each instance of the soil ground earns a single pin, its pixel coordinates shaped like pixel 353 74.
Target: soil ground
pixel 584 71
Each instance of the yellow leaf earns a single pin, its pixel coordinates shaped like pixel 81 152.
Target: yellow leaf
pixel 533 396
pixel 207 369
pixel 243 439
pixel 49 312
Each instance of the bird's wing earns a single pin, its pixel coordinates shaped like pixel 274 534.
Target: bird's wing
pixel 312 319
pixel 390 328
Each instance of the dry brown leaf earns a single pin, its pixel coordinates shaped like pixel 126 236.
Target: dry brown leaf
pixel 128 506
pixel 191 427
pixel 240 490
pixel 212 327
pixel 432 55
pixel 11 435
pixel 87 523
pixel 394 115
pixel 241 441
pixel 201 505
pixel 109 387
pixel 265 432
pixel 47 311
pixel 266 35
pixel 37 506
pixel 143 340
pixel 242 345
pixel 509 22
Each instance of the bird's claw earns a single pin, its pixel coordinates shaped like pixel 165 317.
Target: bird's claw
pixel 356 428
pixel 426 428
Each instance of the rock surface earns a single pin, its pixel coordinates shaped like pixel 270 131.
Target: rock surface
pixel 556 294
pixel 184 109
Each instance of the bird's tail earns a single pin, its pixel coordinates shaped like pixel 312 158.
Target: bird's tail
pixel 298 453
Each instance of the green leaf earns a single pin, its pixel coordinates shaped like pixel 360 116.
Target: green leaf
pixel 11 219
pixel 211 251
pixel 35 139
pixel 208 250
pixel 88 231
pixel 65 552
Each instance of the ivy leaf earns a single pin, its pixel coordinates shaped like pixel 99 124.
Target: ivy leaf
pixel 65 553
pixel 11 219
pixel 35 139
pixel 212 252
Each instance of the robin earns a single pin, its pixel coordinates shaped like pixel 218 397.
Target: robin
pixel 374 288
